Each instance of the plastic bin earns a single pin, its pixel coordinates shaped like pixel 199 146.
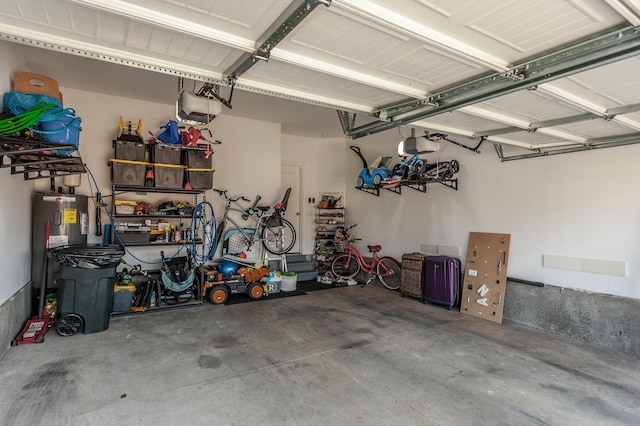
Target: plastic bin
pixel 86 280
pixel 168 176
pixel 122 297
pixel 130 150
pixel 167 154
pixel 128 172
pixel 289 281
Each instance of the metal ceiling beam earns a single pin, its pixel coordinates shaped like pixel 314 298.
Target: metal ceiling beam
pixel 539 125
pixel 347 120
pixel 533 126
pixel 290 18
pixel 597 143
pixel 598 51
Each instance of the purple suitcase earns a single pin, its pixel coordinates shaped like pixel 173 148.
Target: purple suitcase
pixel 442 280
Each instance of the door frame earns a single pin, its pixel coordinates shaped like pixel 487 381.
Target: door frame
pixel 301 214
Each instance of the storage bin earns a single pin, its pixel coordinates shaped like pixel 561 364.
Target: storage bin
pixel 64 130
pixel 169 176
pixel 122 297
pixel 196 158
pixel 289 282
pixel 273 286
pixel 128 172
pixel 133 237
pixel 199 178
pixel 128 150
pixel 165 154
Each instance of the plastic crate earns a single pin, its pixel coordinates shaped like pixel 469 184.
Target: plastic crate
pixel 165 154
pixel 200 178
pixel 133 237
pixel 128 150
pixel 195 158
pixel 128 172
pixel 168 176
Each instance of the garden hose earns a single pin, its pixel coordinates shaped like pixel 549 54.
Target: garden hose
pixel 25 120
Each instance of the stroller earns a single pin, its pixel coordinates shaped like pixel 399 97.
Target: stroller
pixel 178 279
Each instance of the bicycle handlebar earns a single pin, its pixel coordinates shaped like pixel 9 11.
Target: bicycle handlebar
pixel 224 193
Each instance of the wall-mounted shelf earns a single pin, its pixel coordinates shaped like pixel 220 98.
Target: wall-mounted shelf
pixel 134 238
pixel 35 159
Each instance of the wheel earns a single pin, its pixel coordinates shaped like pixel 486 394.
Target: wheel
pixel 69 324
pixel 255 291
pixel 279 239
pixel 455 166
pixel 218 294
pixel 389 272
pixel 377 179
pixel 345 266
pixel 360 182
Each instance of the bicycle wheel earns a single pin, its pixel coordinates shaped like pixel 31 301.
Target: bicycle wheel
pixel 279 239
pixel 345 266
pixel 388 270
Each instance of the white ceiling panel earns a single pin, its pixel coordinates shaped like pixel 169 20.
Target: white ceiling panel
pixel 530 106
pixel 443 65
pixel 596 128
pixel 468 123
pixel 300 79
pixel 617 82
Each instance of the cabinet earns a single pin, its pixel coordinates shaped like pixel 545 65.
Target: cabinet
pixel 328 220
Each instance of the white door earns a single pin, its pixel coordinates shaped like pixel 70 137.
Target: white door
pixel 291 179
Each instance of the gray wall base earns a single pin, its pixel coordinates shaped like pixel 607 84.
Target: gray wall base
pixel 595 318
pixel 13 315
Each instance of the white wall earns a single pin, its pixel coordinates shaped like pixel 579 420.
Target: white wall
pixel 15 208
pixel 581 205
pixel 323 164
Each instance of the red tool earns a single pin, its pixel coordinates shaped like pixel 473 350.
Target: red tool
pixel 35 328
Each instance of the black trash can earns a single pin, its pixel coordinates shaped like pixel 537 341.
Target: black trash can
pixel 85 288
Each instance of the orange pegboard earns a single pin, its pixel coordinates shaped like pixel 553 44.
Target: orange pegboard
pixel 485 276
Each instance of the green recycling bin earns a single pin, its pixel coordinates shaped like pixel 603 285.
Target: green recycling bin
pixel 85 287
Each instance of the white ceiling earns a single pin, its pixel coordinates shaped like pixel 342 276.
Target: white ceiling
pixel 361 56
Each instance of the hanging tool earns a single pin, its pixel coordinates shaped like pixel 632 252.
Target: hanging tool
pixel 98 214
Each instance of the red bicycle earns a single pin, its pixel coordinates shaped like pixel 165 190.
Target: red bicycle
pixel 347 265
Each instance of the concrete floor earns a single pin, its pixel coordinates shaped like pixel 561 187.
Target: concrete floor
pixel 345 356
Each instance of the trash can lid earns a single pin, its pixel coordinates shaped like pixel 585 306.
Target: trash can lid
pixel 89 256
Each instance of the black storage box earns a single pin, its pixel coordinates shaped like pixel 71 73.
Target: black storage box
pixel 130 150
pixel 165 154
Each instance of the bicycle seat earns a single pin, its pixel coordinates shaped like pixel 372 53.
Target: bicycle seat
pixel 374 249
